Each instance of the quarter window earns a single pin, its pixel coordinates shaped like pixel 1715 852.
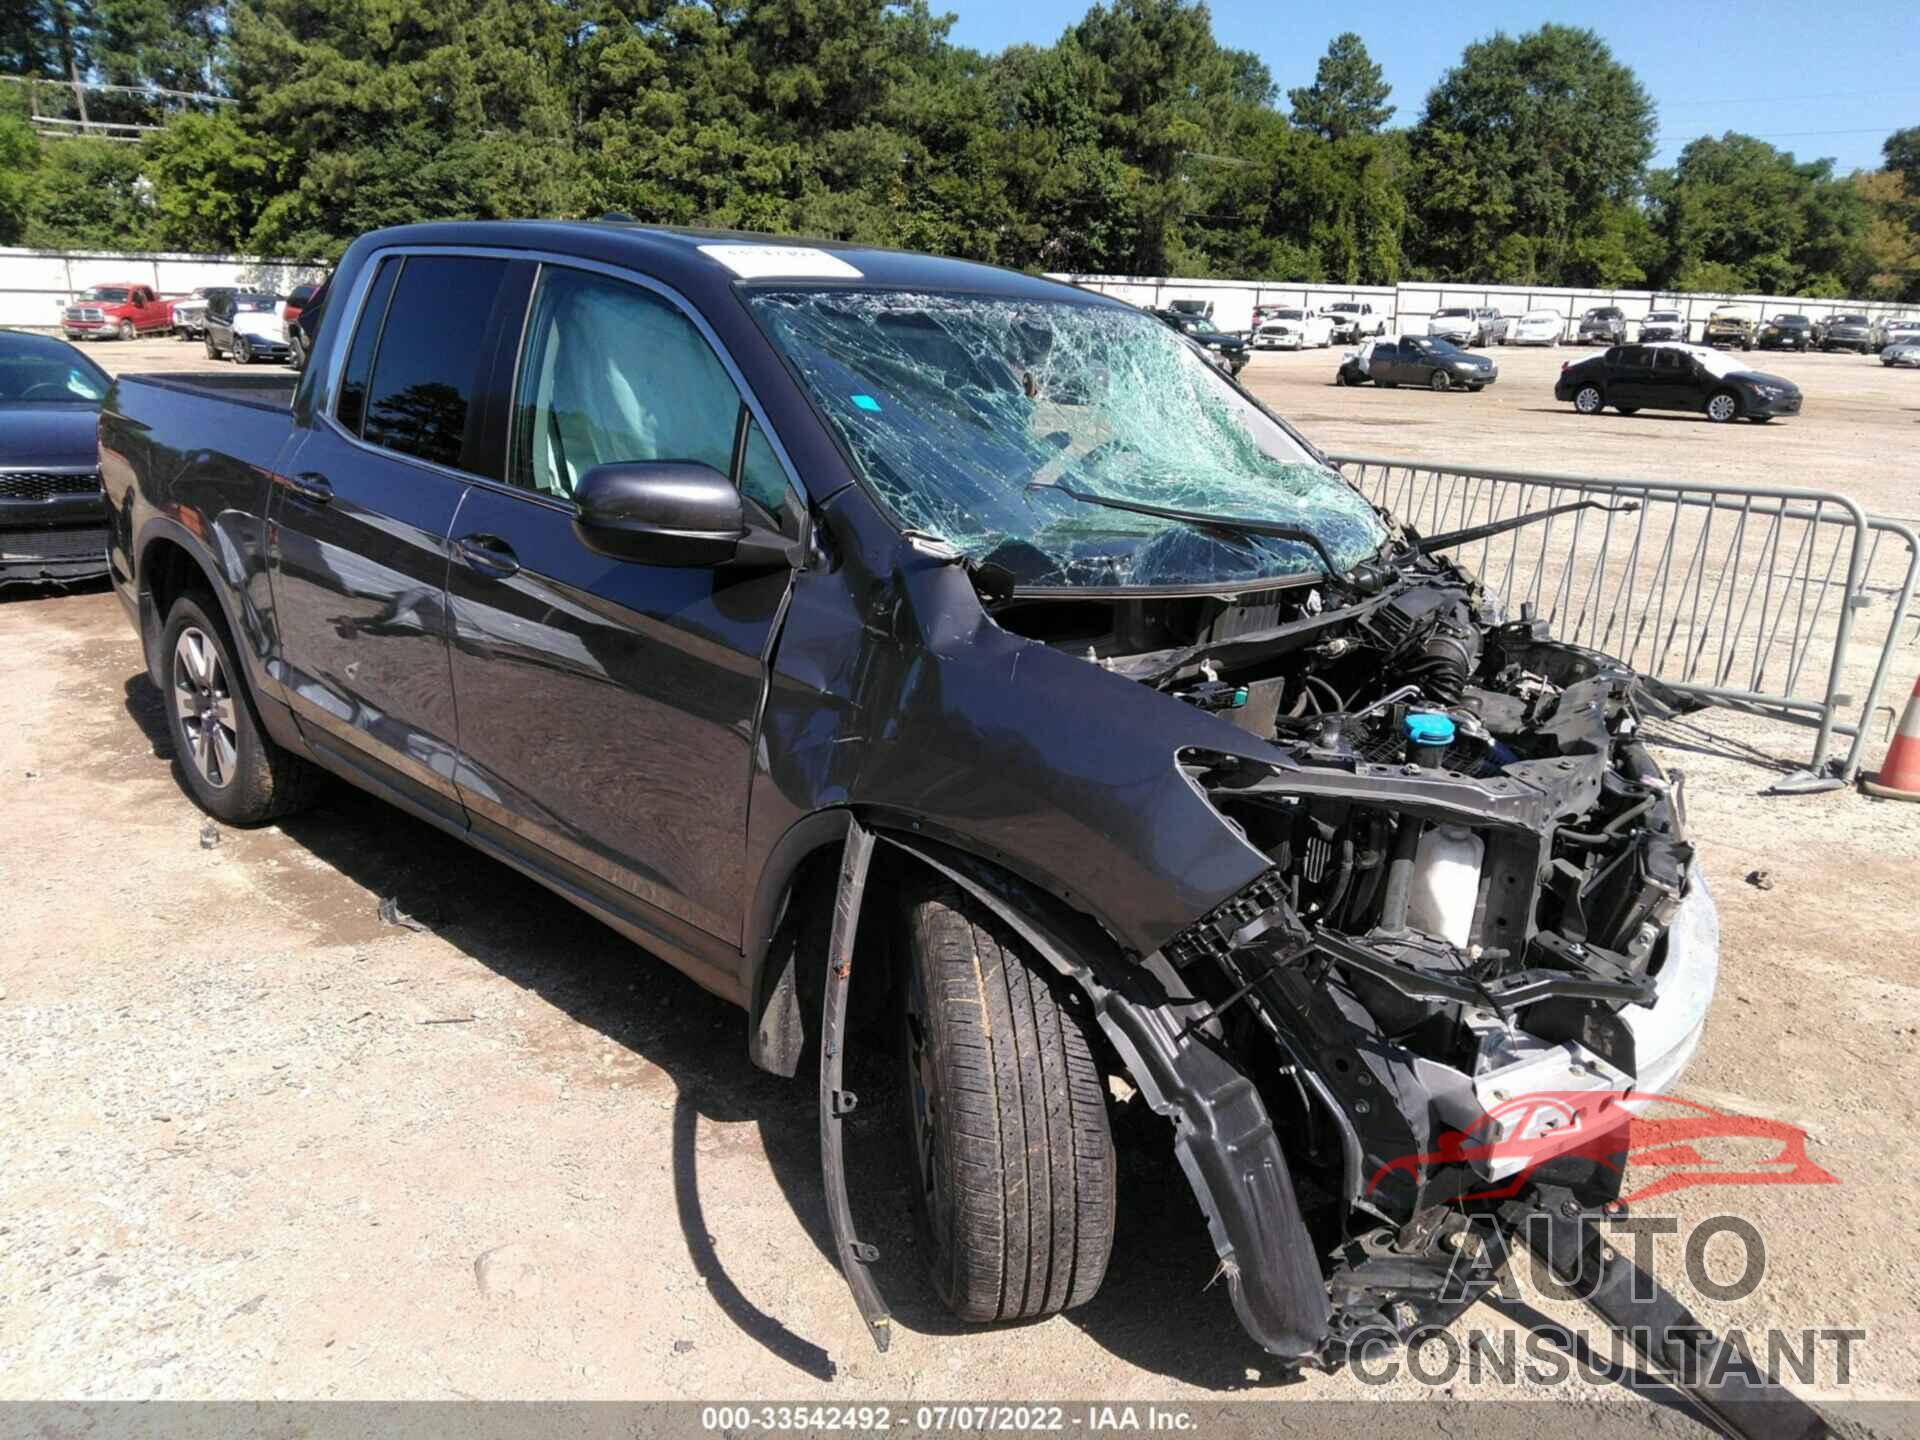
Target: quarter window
pixel 420 395
pixel 352 406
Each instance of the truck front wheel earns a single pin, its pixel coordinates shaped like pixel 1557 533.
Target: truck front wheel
pixel 232 766
pixel 1006 1117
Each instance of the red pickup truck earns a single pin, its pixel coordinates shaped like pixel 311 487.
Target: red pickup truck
pixel 120 308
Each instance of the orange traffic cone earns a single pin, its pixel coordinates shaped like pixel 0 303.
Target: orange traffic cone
pixel 1899 776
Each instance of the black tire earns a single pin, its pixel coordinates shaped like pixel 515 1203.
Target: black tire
pixel 297 351
pixel 126 330
pixel 241 350
pixel 1589 400
pixel 1439 381
pixel 213 350
pixel 1720 413
pixel 250 779
pixel 1007 1119
pixel 1340 377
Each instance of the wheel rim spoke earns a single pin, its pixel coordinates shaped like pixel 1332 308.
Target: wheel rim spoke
pixel 225 752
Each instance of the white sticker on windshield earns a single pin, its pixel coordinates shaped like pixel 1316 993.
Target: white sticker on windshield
pixel 785 262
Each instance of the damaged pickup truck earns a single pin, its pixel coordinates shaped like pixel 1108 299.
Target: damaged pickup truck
pixel 910 649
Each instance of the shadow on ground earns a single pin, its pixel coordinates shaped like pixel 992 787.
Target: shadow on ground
pixel 1156 1310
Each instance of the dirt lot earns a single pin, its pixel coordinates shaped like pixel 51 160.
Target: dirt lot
pixel 259 1142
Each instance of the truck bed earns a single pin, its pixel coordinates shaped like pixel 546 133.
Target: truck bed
pixel 262 388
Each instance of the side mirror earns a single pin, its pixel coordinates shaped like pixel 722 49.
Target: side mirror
pixel 671 512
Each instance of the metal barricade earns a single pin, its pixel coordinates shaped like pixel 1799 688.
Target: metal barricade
pixel 1764 599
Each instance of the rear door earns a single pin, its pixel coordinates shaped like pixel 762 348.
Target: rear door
pixel 1674 386
pixel 361 520
pixel 1630 376
pixel 607 708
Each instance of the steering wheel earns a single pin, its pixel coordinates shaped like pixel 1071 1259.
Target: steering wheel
pixel 55 391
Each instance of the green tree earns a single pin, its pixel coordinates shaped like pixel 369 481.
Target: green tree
pixel 88 193
pixel 19 157
pixel 1348 95
pixel 209 179
pixel 1534 136
pixel 1776 222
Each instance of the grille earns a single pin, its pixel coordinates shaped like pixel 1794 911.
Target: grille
pixel 45 484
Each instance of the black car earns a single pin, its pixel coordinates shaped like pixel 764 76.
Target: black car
pixel 1228 351
pixel 1846 332
pixel 1787 332
pixel 1423 360
pixel 53 521
pixel 882 638
pixel 1602 325
pixel 1675 377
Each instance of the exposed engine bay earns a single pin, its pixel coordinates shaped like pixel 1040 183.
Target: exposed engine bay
pixel 1474 864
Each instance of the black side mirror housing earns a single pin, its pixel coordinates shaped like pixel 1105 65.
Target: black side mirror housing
pixel 671 512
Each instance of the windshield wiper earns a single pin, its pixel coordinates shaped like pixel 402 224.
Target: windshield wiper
pixel 1271 529
pixel 1447 539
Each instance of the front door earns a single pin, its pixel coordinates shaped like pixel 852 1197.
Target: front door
pixel 360 525
pixel 1630 376
pixel 607 708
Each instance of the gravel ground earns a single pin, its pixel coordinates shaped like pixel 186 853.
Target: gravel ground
pixel 260 1142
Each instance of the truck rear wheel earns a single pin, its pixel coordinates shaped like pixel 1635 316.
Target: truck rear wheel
pixel 233 768
pixel 1006 1117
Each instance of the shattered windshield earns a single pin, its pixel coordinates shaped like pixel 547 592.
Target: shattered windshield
pixel 965 414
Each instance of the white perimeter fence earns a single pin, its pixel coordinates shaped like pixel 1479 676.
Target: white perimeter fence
pixel 36 284
pixel 1408 306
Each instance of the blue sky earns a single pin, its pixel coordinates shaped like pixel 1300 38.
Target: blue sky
pixel 1795 74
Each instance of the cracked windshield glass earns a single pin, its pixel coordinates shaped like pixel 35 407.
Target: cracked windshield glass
pixel 973 417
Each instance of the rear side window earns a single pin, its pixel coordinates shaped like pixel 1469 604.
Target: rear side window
pixel 1669 360
pixel 422 386
pixel 352 407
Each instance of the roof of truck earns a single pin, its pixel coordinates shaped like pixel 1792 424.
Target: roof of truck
pixel 698 258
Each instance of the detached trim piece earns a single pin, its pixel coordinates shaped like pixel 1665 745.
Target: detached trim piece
pixel 856 1255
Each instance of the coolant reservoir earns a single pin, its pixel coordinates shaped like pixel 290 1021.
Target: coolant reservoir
pixel 1446 883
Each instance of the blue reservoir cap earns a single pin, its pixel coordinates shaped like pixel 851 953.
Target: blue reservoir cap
pixel 1429 727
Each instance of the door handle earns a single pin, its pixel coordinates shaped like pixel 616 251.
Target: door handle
pixel 311 485
pixel 488 554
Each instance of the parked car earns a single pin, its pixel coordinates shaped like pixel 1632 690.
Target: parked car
pixel 1294 329
pixel 1631 378
pixel 1899 332
pixel 1538 327
pixel 781 605
pixel 1417 360
pixel 1787 332
pixel 1846 332
pixel 1731 325
pixel 1663 325
pixel 245 325
pixel 1904 352
pixel 1354 320
pixel 1193 309
pixel 1467 325
pixel 189 313
pixel 1229 352
pixel 298 300
pixel 1602 325
pixel 53 522
pixel 120 309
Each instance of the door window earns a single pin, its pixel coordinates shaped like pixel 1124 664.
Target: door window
pixel 1670 364
pixel 1634 357
pixel 611 372
pixel 420 394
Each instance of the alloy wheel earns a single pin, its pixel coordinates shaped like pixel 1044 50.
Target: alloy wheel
pixel 204 705
pixel 1721 407
pixel 1587 402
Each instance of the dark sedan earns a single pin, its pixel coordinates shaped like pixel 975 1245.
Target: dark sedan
pixel 1675 377
pixel 53 522
pixel 1416 360
pixel 1229 352
pixel 1787 332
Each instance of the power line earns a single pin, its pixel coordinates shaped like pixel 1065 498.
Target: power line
pixel 1777 99
pixel 1789 134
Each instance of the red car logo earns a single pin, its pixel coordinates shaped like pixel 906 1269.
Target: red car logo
pixel 1702 1146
